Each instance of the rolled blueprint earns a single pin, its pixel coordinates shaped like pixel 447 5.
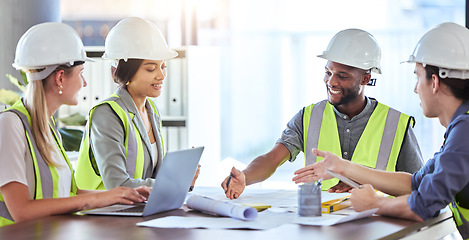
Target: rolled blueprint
pixel 222 208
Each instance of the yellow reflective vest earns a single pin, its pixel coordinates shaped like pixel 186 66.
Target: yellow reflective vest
pixel 87 174
pixel 46 176
pixel 460 216
pixel 378 146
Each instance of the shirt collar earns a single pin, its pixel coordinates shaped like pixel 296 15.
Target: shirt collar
pixel 129 102
pixel 462 109
pixel 368 108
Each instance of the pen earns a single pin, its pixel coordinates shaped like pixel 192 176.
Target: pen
pixel 317 186
pixel 229 180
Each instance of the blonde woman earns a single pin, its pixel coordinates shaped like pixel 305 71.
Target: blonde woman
pixel 36 178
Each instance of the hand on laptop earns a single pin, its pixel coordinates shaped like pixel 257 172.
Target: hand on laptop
pixel 119 195
pixel 144 191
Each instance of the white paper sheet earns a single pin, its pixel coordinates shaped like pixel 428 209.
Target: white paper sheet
pixel 285 199
pixel 332 219
pixel 265 220
pixel 222 208
pixel 284 205
pixel 262 222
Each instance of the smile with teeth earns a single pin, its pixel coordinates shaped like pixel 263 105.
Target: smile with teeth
pixel 157 85
pixel 334 91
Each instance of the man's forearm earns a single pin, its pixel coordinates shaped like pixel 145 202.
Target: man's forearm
pixel 263 166
pixel 397 207
pixel 392 183
pixel 259 170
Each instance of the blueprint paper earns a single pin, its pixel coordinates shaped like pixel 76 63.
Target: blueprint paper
pixel 222 208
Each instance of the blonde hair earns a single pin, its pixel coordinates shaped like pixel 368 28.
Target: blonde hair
pixel 35 103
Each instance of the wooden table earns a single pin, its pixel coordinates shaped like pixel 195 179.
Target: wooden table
pixel 70 227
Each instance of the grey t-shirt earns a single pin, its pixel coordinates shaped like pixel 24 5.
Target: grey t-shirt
pixel 409 159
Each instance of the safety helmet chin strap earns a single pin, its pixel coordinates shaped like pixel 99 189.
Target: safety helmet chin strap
pixel 39 75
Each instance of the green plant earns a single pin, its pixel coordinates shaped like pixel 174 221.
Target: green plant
pixel 9 97
pixel 75 119
pixel 71 138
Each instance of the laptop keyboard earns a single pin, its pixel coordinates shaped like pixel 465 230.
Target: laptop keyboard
pixel 137 209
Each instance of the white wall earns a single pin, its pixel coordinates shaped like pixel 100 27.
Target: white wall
pixel 17 17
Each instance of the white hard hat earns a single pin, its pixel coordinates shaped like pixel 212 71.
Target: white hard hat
pixel 356 48
pixel 446 46
pixel 48 45
pixel 138 38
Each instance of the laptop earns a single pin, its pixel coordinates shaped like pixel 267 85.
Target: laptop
pixel 172 183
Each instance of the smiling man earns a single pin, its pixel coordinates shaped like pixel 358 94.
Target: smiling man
pixel 348 123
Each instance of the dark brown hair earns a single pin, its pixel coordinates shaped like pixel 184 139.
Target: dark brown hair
pixel 125 70
pixel 458 87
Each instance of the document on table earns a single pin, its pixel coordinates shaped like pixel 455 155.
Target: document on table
pixel 264 220
pixel 223 208
pixel 282 200
pixel 274 197
pixel 332 219
pixel 284 210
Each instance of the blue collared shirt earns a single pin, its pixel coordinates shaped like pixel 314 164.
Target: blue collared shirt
pixel 447 173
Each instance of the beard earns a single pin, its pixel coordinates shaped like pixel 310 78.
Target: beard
pixel 349 95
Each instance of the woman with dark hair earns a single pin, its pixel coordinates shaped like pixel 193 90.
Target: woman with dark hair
pixel 36 177
pixel 442 68
pixel 123 144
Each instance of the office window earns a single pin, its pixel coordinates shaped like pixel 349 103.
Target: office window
pixel 268 69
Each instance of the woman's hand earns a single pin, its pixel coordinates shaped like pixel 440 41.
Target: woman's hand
pixel 144 191
pixel 197 172
pixel 119 195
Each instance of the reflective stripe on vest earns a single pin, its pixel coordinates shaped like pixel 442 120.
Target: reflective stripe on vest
pixel 460 216
pixel 378 146
pixel 133 145
pixel 46 176
pixel 5 216
pixel 88 176
pixel 160 125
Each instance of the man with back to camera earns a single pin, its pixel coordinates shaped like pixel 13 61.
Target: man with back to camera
pixel 348 123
